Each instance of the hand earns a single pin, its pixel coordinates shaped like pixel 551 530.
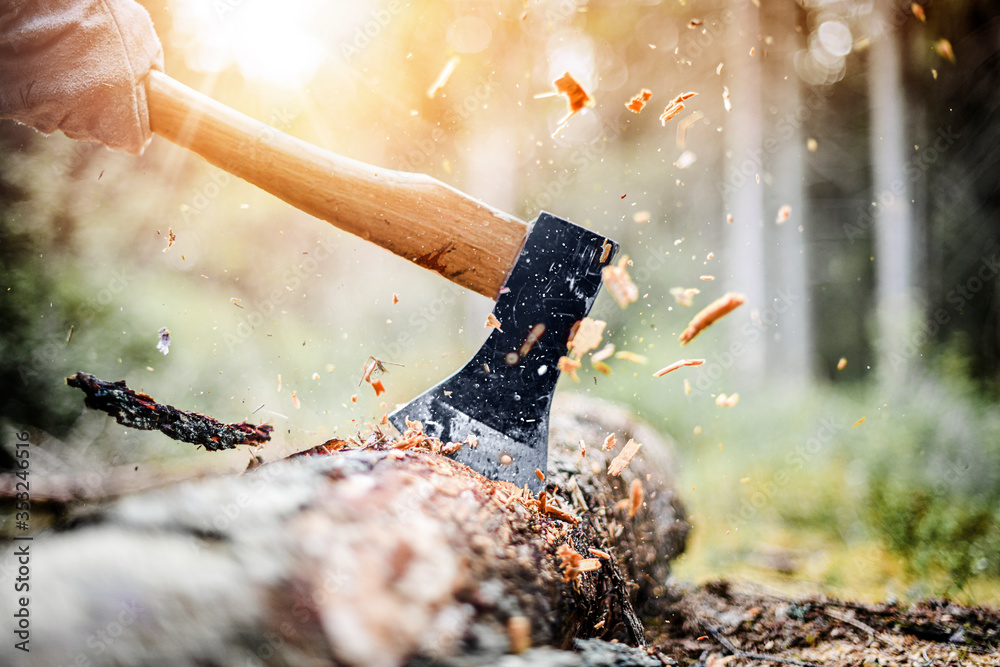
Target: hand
pixel 80 67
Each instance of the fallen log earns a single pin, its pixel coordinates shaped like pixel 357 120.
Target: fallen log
pixel 384 554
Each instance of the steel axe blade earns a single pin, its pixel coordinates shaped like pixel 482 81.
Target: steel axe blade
pixel 502 396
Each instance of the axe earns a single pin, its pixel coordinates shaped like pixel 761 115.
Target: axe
pixel 543 276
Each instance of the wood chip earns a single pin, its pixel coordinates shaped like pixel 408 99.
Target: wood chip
pixel 670 112
pixel 675 107
pixel 519 632
pixel 586 336
pixel 625 355
pixel 624 457
pixel 533 336
pixel 724 401
pixel 943 47
pixel 639 101
pixel 578 97
pixel 684 125
pixel 678 364
pixel 620 284
pixel 684 295
pixel 569 561
pixel 570 367
pixel 636 496
pixel 603 353
pixel 443 77
pixel 710 314
pixel 550 510
pixel 171 237
pixel 493 323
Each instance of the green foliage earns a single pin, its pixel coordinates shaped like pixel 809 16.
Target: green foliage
pixel 934 483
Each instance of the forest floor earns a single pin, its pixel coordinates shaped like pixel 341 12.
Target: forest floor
pixel 726 623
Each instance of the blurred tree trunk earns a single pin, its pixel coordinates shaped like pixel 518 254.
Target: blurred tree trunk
pixel 743 192
pixel 790 349
pixel 893 213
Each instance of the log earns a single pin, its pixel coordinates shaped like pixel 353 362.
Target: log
pixel 385 554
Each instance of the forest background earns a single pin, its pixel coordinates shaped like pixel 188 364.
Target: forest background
pixel 840 166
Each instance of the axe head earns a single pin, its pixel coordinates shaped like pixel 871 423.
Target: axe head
pixel 503 394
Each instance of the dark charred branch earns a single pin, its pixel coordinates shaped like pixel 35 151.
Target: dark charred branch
pixel 139 411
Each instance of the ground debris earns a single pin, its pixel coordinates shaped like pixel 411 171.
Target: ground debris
pixel 139 411
pixel 738 622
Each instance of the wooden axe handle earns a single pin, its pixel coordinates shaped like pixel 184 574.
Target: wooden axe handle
pixel 415 216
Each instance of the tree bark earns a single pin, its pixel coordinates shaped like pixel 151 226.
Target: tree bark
pixel 385 554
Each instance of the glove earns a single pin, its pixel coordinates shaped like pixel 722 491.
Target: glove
pixel 79 66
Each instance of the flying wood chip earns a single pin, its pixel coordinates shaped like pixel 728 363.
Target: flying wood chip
pixel 171 237
pixel 635 495
pixel 724 401
pixel 784 213
pixel 684 296
pixel 626 355
pixel 587 336
pixel 619 283
pixel 603 353
pixel 943 47
pixel 578 98
pixel 675 107
pixel 712 312
pixel 624 457
pixel 636 104
pixel 678 364
pixel 570 367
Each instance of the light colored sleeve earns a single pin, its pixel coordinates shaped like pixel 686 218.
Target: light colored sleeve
pixel 79 66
